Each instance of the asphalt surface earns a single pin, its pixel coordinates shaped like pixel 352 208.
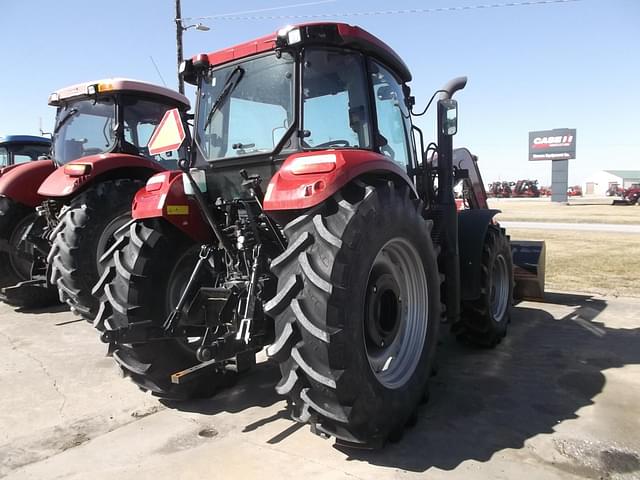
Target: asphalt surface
pixel 589 227
pixel 559 398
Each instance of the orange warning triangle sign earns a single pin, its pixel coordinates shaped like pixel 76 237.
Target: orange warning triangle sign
pixel 168 135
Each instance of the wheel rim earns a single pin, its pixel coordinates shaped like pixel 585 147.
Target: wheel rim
pixel 21 265
pixel 107 238
pixel 396 313
pixel 499 288
pixel 177 282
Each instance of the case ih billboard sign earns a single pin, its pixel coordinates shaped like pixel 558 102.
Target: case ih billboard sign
pixel 557 144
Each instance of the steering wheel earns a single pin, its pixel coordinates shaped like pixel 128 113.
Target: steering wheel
pixel 333 143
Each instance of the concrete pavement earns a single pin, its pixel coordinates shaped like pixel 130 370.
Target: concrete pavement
pixel 559 398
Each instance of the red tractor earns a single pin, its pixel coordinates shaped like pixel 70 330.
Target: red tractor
pixel 574 191
pixel 344 266
pixel 614 190
pixel 59 214
pixel 526 189
pixel 500 190
pixel 631 195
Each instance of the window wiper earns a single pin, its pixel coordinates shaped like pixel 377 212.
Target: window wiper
pixel 65 119
pixel 229 85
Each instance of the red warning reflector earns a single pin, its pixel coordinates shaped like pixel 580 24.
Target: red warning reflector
pixel 168 135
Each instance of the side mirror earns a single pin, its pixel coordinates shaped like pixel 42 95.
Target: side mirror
pixel 448 110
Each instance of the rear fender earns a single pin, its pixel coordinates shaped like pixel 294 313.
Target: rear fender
pixel 308 179
pixel 60 184
pixel 164 197
pixel 20 182
pixel 472 229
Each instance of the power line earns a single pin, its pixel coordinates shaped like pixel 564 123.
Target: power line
pixel 486 6
pixel 268 9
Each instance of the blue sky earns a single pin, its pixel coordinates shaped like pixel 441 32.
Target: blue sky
pixel 530 68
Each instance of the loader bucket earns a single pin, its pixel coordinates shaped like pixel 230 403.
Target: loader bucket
pixel 621 202
pixel 528 269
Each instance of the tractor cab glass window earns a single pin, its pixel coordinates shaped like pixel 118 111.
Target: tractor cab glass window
pixel 335 100
pixel 392 115
pixel 246 108
pixel 21 158
pixel 84 127
pixel 28 153
pixel 4 157
pixel 140 119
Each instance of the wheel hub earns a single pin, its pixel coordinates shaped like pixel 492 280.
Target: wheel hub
pixel 383 310
pixel 21 254
pixel 396 313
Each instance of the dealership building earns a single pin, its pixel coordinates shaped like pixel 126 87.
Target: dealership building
pixel 601 181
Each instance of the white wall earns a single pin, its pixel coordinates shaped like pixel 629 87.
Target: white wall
pixel 601 180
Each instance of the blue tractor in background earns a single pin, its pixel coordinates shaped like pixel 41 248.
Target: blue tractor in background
pixel 15 149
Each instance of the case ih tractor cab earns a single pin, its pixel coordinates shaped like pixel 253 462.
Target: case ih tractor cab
pixel 319 229
pixel 59 221
pixel 16 149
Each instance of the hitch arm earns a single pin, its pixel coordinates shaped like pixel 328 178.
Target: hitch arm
pixel 174 317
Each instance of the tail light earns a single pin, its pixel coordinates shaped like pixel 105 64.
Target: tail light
pixel 155 183
pixel 313 164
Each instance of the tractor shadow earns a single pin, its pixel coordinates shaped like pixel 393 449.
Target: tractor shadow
pixel 484 401
pixel 43 309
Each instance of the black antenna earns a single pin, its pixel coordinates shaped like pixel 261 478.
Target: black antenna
pixel 157 70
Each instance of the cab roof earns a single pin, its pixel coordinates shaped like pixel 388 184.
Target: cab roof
pixel 116 85
pixel 325 33
pixel 24 139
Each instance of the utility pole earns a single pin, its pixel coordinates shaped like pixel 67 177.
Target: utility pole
pixel 179 30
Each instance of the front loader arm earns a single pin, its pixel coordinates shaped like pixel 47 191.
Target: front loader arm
pixel 464 160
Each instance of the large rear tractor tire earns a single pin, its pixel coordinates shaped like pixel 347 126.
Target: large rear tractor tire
pixel 84 234
pixel 357 313
pixel 15 218
pixel 484 321
pixel 142 281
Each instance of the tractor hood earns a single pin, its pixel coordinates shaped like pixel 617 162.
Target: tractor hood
pixel 4 170
pixel 78 174
pixel 20 182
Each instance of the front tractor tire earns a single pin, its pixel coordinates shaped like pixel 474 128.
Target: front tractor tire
pixel 84 234
pixel 143 279
pixel 484 321
pixel 356 313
